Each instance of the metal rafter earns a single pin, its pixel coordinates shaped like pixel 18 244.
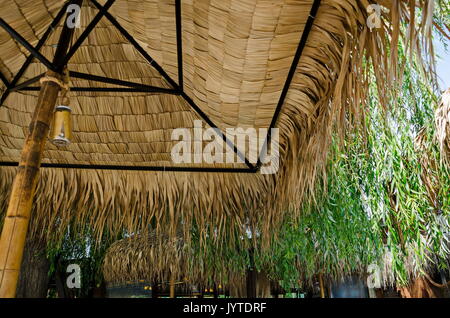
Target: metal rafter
pixel 16 36
pixel 129 86
pixel 135 168
pixel 38 46
pixel 4 80
pixel 24 85
pixel 301 45
pixel 155 90
pixel 18 214
pixel 152 62
pixel 179 43
pixel 108 80
pixel 136 45
pixel 86 32
pixel 137 87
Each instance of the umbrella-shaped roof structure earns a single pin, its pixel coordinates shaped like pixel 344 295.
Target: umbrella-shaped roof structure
pixel 140 69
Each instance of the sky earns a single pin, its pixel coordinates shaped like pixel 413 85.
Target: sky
pixel 443 64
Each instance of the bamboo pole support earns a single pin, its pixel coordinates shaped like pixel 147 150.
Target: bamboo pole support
pixel 15 227
pixel 172 287
pixel 322 287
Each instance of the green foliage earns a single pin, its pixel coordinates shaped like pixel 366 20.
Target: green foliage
pixel 387 191
pixel 79 249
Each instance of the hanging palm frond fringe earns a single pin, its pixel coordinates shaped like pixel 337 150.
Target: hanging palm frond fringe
pixel 237 84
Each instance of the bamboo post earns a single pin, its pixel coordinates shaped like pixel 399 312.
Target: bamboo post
pixel 172 287
pixel 322 287
pixel 15 227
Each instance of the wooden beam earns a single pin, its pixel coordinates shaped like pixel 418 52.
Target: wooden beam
pixel 15 227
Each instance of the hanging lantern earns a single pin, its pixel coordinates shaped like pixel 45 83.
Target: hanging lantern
pixel 61 131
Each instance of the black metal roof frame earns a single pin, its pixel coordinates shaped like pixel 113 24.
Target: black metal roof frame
pixel 177 88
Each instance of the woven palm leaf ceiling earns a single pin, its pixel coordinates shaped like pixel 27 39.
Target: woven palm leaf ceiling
pixel 139 69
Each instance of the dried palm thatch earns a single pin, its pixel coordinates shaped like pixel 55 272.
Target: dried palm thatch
pixel 154 258
pixel 146 257
pixel 236 57
pixel 442 119
pixel 161 258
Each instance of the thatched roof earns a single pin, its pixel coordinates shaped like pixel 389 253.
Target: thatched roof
pixel 236 57
pixel 147 257
pixel 151 258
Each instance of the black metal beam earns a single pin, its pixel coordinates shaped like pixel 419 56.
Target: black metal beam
pixel 179 43
pixel 135 168
pixel 16 36
pixel 221 134
pixel 152 62
pixel 24 85
pixel 304 37
pixel 136 45
pixel 86 33
pixel 130 86
pixel 108 80
pixel 156 90
pixel 38 46
pixel 4 80
pixel 65 39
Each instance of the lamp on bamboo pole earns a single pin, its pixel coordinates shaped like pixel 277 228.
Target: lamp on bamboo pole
pixel 61 129
pixel 15 227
